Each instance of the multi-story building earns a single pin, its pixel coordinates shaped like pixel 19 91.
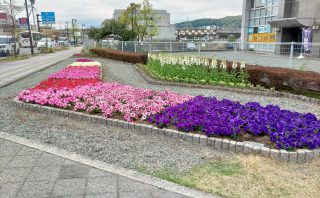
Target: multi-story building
pixel 270 21
pixel 166 31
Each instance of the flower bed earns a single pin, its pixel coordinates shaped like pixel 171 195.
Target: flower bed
pixel 225 118
pixel 107 98
pixel 77 72
pixel 65 83
pixel 79 88
pixel 195 69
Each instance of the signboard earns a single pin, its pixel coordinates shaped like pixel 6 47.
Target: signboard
pixel 3 16
pixel 48 18
pixel 307 39
pixel 264 29
pixel 262 38
pixel 23 22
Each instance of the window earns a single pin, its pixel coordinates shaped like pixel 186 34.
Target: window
pixel 262 21
pixel 275 11
pixel 257 14
pixel 251 22
pixel 251 15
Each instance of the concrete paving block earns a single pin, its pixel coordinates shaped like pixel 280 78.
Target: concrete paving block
pixel 164 132
pixel 196 139
pixel 189 137
pixel 41 173
pixel 36 189
pixel 264 151
pixel 225 144
pixel 203 140
pixel 218 143
pixel 284 156
pixel 274 153
pixel 175 134
pixel 11 175
pixel 232 146
pixel 69 187
pixel 155 130
pixel 131 126
pixel 182 135
pixel 149 129
pixel 309 155
pixel 211 141
pixel 293 157
pixel 137 127
pixel 247 148
pixel 73 171
pixel 239 147
pixel 256 150
pixel 302 157
pixel 316 153
pixel 97 185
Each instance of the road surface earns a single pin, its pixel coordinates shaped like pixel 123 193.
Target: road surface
pixel 12 71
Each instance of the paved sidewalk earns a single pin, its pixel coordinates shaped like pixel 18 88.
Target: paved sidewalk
pixel 15 70
pixel 27 172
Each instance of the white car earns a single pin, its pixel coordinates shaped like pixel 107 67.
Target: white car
pixel 7 46
pixel 46 41
pixel 63 41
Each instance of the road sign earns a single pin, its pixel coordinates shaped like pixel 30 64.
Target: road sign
pixel 48 18
pixel 23 22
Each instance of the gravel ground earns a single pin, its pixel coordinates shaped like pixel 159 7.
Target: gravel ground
pixel 126 74
pixel 112 145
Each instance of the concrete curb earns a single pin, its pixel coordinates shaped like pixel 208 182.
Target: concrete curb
pixel 298 156
pixel 146 179
pixel 154 81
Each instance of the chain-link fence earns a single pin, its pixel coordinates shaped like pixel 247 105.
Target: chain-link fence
pixel 293 55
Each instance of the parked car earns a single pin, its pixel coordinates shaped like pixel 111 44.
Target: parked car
pixel 191 47
pixel 7 44
pixel 46 42
pixel 63 41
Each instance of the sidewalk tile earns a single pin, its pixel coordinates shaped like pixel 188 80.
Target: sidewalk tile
pixel 73 171
pixel 14 175
pixel 69 187
pixel 50 173
pixel 98 185
pixel 36 189
pixel 9 190
pixel 29 151
pixel 23 161
pixel 50 160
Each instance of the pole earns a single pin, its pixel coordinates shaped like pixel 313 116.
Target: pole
pixel 67 28
pixel 29 29
pixel 38 22
pixel 74 37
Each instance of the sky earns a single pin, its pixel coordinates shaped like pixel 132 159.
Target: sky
pixel 93 12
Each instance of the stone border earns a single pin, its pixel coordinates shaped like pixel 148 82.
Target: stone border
pixel 299 156
pixel 150 79
pixel 140 177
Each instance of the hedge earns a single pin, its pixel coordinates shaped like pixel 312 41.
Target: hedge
pixel 121 55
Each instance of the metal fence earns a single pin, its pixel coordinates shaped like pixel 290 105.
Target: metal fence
pixel 293 55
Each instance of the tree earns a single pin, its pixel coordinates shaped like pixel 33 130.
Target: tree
pixel 140 19
pixel 12 9
pixel 95 34
pixel 111 26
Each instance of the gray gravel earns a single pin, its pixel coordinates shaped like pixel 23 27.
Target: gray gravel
pixel 126 74
pixel 112 145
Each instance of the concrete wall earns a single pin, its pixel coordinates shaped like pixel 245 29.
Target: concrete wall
pixel 245 20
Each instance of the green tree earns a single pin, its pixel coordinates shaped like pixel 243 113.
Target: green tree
pixel 111 26
pixel 140 19
pixel 95 34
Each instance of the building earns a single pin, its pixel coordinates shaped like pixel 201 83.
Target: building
pixel 206 33
pixel 166 31
pixel 271 21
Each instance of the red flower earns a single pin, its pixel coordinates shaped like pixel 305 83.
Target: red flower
pixel 60 83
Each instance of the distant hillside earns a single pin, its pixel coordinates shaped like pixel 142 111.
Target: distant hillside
pixel 228 22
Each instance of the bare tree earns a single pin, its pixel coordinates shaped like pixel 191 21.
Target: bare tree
pixel 12 9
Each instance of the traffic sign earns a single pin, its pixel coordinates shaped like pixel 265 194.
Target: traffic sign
pixel 23 22
pixel 48 18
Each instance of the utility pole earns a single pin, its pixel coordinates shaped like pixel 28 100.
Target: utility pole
pixel 38 22
pixel 29 29
pixel 73 24
pixel 82 32
pixel 67 28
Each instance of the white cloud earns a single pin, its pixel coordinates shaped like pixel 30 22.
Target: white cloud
pixel 95 11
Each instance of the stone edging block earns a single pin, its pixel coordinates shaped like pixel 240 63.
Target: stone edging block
pixel 299 156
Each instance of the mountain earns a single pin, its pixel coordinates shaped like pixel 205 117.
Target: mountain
pixel 228 22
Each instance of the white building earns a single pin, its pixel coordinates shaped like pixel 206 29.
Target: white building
pixel 166 31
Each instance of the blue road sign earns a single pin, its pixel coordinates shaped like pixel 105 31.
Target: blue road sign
pixel 48 18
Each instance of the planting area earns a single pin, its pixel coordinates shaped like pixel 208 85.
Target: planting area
pixel 213 171
pixel 218 118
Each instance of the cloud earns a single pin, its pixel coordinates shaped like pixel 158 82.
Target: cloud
pixel 95 11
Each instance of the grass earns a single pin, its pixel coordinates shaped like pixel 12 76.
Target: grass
pixel 248 176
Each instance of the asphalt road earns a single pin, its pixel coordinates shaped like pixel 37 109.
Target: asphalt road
pixel 15 70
